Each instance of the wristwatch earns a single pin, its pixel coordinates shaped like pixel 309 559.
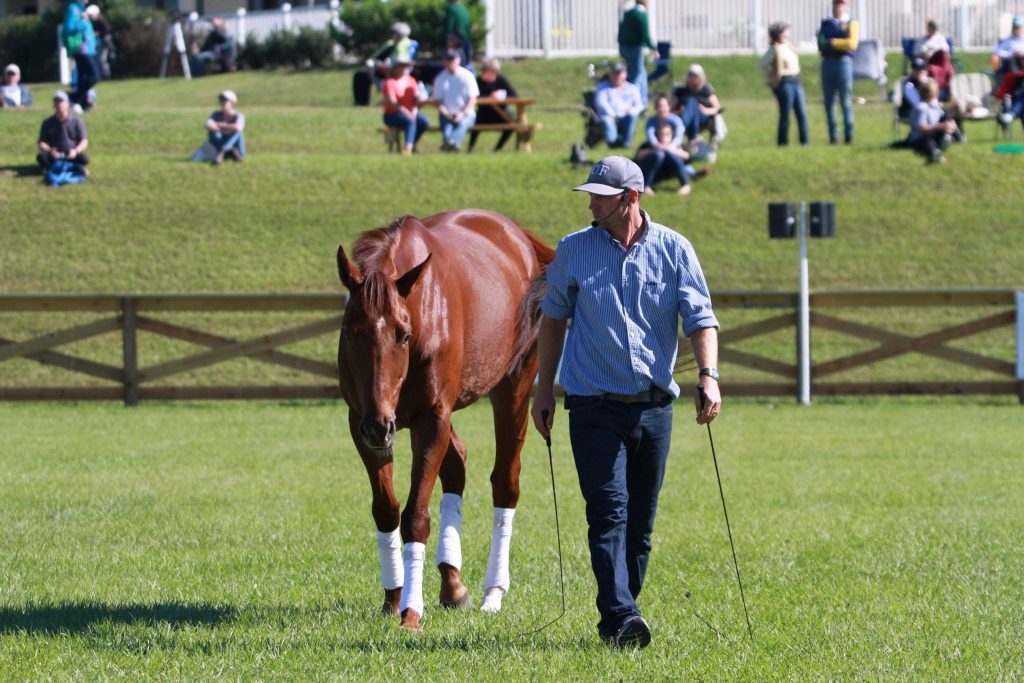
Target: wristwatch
pixel 709 372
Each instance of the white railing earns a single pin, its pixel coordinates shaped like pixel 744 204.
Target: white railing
pixel 563 28
pixel 259 24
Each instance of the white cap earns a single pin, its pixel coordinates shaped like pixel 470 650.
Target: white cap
pixel 92 10
pixel 61 95
pixel 228 95
pixel 12 69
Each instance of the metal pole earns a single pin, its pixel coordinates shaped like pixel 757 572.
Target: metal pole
pixel 804 325
pixel 1019 297
pixel 489 23
pixel 545 27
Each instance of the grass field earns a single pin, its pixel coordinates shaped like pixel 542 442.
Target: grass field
pixel 877 541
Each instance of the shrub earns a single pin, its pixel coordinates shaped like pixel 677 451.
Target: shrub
pixel 307 47
pixel 31 43
pixel 368 24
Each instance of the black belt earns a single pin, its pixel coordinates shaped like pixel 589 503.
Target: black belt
pixel 652 395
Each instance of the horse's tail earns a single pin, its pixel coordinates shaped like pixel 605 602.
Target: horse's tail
pixel 528 317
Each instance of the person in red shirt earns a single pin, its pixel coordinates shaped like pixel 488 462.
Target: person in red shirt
pixel 401 94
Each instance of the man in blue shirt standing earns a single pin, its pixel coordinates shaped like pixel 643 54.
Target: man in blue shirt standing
pixel 838 38
pixel 625 282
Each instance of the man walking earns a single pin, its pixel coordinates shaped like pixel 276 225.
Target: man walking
pixel 838 38
pixel 634 36
pixel 625 282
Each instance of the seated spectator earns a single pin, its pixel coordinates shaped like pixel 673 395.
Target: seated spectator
pixel 1009 47
pixel 455 91
pixel 492 83
pixel 218 47
pixel 933 48
pixel 225 128
pixel 14 95
pixel 931 131
pixel 1011 93
pixel 697 105
pixel 62 136
pixel 911 89
pixel 619 104
pixel 663 155
pixel 401 104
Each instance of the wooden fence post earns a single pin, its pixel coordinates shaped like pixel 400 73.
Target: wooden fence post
pixel 131 352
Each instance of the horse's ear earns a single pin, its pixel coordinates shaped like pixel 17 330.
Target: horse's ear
pixel 406 282
pixel 348 273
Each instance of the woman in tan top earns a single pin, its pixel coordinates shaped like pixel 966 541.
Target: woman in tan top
pixel 784 79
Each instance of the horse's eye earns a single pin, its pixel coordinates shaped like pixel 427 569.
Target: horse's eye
pixel 404 337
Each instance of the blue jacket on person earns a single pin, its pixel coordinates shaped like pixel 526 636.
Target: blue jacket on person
pixel 76 21
pixel 843 30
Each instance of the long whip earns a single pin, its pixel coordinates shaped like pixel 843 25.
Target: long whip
pixel 558 533
pixel 728 528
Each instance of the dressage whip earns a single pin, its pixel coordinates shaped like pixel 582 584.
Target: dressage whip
pixel 728 528
pixel 558 533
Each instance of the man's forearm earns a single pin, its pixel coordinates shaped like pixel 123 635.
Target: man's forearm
pixel 705 347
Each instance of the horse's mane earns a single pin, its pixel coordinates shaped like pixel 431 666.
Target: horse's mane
pixel 370 252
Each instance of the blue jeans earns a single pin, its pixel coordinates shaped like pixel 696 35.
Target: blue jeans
pixel 454 133
pixel 413 127
pixel 790 95
pixel 658 164
pixel 620 451
pixel 837 79
pixel 88 76
pixel 619 131
pixel 693 118
pixel 635 71
pixel 224 143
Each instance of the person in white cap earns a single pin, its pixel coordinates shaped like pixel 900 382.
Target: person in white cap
pixel 62 136
pixel 225 128
pixel 14 95
pixel 625 281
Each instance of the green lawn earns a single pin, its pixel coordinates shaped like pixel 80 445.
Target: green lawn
pixel 234 541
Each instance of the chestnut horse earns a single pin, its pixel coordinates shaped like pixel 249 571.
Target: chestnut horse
pixel 441 312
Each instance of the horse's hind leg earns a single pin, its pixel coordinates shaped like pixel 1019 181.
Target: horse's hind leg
pixel 449 542
pixel 385 516
pixel 510 402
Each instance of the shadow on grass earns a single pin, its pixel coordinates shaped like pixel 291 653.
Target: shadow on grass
pixel 77 618
pixel 19 171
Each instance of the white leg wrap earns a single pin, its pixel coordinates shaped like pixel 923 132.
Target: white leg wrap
pixel 449 544
pixel 389 550
pixel 497 580
pixel 412 592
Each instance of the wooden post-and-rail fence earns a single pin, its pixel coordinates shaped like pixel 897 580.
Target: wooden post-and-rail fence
pixel 134 314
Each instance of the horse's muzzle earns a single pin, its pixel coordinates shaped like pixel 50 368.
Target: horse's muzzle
pixel 378 435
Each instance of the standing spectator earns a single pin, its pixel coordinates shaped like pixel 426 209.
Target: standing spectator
pixel 104 40
pixel 13 94
pixel 838 38
pixel 62 136
pixel 455 91
pixel 634 36
pixel 625 281
pixel 458 29
pixel 785 83
pixel 697 104
pixel 619 105
pixel 1008 47
pixel 80 41
pixel 931 131
pixel 492 83
pixel 217 47
pixel 225 128
pixel 401 104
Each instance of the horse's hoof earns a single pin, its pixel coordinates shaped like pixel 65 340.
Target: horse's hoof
pixel 492 599
pixel 465 602
pixel 392 598
pixel 411 621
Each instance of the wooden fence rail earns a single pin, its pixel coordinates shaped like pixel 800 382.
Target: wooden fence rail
pixel 135 314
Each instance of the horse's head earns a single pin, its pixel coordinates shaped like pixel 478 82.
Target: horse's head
pixel 376 332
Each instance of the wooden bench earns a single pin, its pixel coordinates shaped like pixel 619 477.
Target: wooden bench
pixel 519 125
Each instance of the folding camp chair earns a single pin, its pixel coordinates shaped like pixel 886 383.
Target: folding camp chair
pixel 869 64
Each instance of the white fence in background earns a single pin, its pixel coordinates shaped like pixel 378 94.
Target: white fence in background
pixel 565 28
pixel 260 24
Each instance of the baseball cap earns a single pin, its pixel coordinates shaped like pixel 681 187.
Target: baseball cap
pixel 452 53
pixel 61 95
pixel 1018 21
pixel 92 10
pixel 12 69
pixel 612 175
pixel 401 61
pixel 616 67
pixel 919 63
pixel 228 95
pixel 696 70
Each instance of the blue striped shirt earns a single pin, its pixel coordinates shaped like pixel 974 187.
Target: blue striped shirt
pixel 625 308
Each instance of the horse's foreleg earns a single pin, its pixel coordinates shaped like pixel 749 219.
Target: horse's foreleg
pixel 385 516
pixel 430 438
pixel 449 542
pixel 510 402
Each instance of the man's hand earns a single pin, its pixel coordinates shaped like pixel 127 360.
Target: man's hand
pixel 54 153
pixel 73 153
pixel 708 400
pixel 543 413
